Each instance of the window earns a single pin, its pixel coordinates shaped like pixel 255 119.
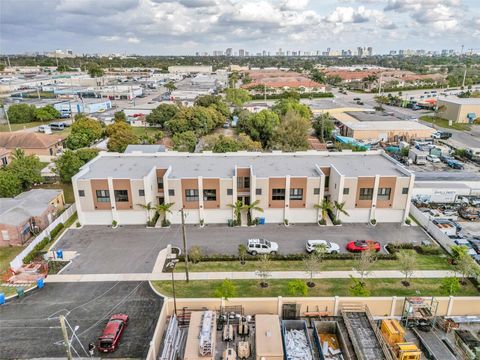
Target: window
pixel 384 193
pixel 4 161
pixel 230 192
pixel 346 191
pixel 405 191
pixel 278 194
pixel 171 192
pixel 191 195
pixel 81 193
pixel 160 183
pixel 316 191
pixel 296 194
pixel 103 196
pixel 141 192
pixel 210 195
pixel 258 191
pixel 243 182
pixel 121 195
pixel 366 194
pixel 327 181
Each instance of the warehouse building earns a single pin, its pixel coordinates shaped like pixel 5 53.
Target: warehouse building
pixel 286 185
pixel 461 110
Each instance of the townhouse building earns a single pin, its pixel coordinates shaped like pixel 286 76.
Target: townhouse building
pixel 113 186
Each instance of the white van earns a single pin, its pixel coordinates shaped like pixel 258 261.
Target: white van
pixel 57 126
pixel 44 129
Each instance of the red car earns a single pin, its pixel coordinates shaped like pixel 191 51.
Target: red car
pixel 363 245
pixel 112 333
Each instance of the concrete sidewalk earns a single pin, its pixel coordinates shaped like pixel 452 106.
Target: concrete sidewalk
pixel 246 275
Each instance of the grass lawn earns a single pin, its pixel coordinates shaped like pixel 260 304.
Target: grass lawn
pixel 67 190
pixel 15 127
pixel 140 130
pixel 7 253
pixel 424 262
pixel 323 287
pixel 444 123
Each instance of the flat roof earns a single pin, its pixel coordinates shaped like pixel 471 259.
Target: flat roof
pixel 399 125
pixel 461 101
pixel 268 337
pixel 264 165
pixel 440 185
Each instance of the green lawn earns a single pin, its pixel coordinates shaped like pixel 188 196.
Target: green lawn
pixel 139 131
pixel 15 127
pixel 444 123
pixel 67 190
pixel 7 253
pixel 323 287
pixel 424 262
pixel 11 290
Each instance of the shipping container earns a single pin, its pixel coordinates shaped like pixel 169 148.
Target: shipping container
pixel 330 341
pixel 296 341
pixel 268 337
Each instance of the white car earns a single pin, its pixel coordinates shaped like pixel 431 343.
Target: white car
pixel 330 248
pixel 261 246
pixel 433 158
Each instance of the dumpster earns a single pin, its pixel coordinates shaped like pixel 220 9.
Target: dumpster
pixel 40 283
pixel 2 298
pixel 60 254
pixel 261 221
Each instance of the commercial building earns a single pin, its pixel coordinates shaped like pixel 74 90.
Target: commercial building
pixel 287 186
pixel 30 211
pixel 86 106
pixel 43 145
pixel 461 110
pixel 280 80
pixel 188 69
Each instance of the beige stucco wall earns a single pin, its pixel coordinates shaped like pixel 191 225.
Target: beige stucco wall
pixel 224 198
pixel 262 183
pixel 86 202
pixel 458 112
pixel 399 199
pixel 136 185
pixel 351 184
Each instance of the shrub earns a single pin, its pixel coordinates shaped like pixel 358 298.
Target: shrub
pixel 408 221
pixel 358 288
pixel 297 287
pixel 114 223
pixel 165 223
pixel 373 221
pixel 285 221
pixel 195 254
pixel 428 250
pixel 78 224
pixel 322 222
pixel 226 289
pixel 56 230
pixel 36 250
pixel 336 221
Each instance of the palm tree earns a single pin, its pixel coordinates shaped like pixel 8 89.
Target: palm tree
pixel 438 110
pixel 237 209
pixel 163 209
pixel 149 209
pixel 340 207
pixel 252 207
pixel 324 207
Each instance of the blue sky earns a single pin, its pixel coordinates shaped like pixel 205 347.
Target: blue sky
pixel 186 26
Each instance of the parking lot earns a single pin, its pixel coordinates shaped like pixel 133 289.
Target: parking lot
pixel 134 249
pixel 29 327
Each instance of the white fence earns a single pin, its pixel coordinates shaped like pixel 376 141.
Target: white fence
pixel 18 261
pixel 431 228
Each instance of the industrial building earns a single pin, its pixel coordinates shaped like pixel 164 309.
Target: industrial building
pixel 460 110
pixel 190 69
pixel 287 186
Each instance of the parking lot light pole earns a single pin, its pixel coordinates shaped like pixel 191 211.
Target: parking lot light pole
pixel 174 263
pixel 184 245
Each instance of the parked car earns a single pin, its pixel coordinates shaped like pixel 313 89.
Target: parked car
pixel 261 246
pixel 356 99
pixel 57 126
pixel 363 245
pixel 44 129
pixel 442 135
pixel 330 248
pixel 433 158
pixel 112 333
pixel 455 164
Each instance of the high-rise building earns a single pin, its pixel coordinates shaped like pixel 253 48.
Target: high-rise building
pixel 370 51
pixel 228 52
pixel 360 51
pixel 264 53
pixel 241 52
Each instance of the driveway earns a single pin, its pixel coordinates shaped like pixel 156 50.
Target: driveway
pixel 29 327
pixel 134 249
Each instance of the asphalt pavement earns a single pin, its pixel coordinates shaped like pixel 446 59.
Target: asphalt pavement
pixel 30 327
pixel 134 249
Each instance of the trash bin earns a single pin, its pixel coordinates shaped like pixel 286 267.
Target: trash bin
pixel 2 298
pixel 60 254
pixel 40 283
pixel 261 221
pixel 20 292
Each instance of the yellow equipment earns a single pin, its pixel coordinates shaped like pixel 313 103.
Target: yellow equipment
pixel 407 351
pixel 392 331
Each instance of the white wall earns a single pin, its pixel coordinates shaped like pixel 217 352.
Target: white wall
pixel 389 215
pixel 217 216
pixel 302 215
pixel 356 216
pixel 131 217
pixel 97 217
pixel 273 216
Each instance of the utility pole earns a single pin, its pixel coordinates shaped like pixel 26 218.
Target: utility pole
pixel 6 117
pixel 185 245
pixel 464 76
pixel 65 337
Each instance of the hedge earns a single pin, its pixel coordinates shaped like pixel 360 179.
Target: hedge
pixel 420 249
pixel 302 96
pixel 289 257
pixel 41 245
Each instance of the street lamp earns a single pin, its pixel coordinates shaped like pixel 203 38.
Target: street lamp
pixel 172 265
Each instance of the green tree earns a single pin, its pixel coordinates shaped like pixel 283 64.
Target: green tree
pixel 357 288
pixel 220 143
pixel 213 101
pixel 87 154
pixel 237 207
pixel 149 208
pixel 333 79
pixel 10 184
pixel 250 208
pixel 27 168
pixel 283 106
pixel 263 269
pixel 465 266
pixel 184 141
pixel 297 287
pixel 317 76
pixel 120 136
pixel 46 113
pixel 237 97
pixel 119 116
pixel 201 120
pixel 161 114
pixel 21 113
pixel 68 165
pixel 260 126
pixel 162 210
pixel 408 263
pixel 312 263
pixel 340 208
pixel 242 253
pixel 292 134
pixel 170 86
pixel 324 207
pixel 450 286
pixel 226 289
pixel 94 70
pixel 323 126
pixel 365 262
pixel 84 132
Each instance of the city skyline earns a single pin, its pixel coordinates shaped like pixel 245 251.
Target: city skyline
pixel 187 27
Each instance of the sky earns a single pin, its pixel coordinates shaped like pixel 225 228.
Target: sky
pixel 184 27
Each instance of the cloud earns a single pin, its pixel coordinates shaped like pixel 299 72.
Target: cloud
pixel 133 40
pixel 350 15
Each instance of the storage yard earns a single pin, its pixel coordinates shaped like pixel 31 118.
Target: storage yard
pixel 230 334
